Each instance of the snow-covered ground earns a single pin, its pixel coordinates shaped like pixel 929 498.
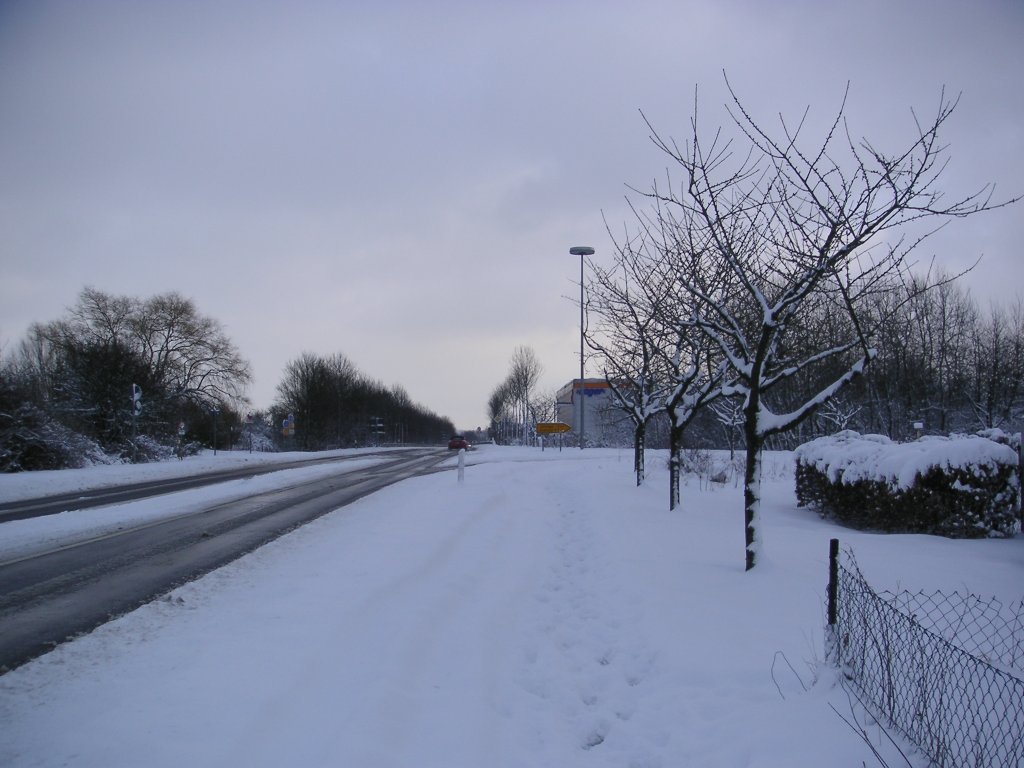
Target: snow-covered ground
pixel 543 612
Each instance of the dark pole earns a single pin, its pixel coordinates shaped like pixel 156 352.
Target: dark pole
pixel 581 251
pixel 832 647
pixel 833 581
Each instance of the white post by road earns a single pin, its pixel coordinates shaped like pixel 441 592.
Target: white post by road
pixel 462 464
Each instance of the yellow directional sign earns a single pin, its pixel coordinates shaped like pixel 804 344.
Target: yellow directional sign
pixel 552 427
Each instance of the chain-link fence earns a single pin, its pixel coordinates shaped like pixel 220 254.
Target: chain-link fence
pixel 947 670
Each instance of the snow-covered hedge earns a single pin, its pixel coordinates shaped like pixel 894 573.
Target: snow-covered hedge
pixel 961 486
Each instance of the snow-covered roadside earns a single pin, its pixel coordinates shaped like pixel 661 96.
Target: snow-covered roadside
pixel 544 612
pixel 22 538
pixel 25 485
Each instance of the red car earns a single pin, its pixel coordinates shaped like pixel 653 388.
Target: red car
pixel 458 442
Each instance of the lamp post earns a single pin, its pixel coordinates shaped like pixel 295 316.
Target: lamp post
pixel 581 251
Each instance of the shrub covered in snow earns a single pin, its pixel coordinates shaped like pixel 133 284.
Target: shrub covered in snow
pixel 142 449
pixel 30 439
pixel 960 486
pixel 257 440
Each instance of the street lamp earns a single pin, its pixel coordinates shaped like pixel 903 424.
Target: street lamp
pixel 581 251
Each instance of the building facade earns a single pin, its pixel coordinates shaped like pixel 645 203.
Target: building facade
pixel 591 402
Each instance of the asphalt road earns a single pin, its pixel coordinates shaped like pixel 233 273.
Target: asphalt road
pixel 53 596
pixel 98 497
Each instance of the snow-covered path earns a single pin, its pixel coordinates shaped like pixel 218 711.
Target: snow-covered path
pixel 542 613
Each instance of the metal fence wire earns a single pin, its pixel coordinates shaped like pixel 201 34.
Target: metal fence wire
pixel 946 670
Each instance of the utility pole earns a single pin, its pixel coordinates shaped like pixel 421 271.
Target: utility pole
pixel 582 251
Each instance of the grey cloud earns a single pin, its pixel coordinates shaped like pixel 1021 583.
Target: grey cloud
pixel 337 176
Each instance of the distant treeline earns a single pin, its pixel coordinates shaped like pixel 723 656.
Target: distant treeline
pixel 334 405
pixel 68 391
pixel 944 364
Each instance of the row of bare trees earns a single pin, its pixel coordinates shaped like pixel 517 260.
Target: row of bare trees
pixel 768 274
pixel 66 390
pixel 946 364
pixel 75 376
pixel 335 405
pixel 514 406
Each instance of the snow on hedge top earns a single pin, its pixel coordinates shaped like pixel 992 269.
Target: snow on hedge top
pixel 850 456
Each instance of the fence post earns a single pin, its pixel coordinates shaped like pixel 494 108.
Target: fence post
pixel 831 634
pixel 1020 479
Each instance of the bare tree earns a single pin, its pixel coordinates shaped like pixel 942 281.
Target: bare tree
pixel 996 389
pixel 628 305
pixel 333 404
pixel 100 318
pixel 309 391
pixel 838 413
pixel 83 366
pixel 525 370
pixel 790 224
pixel 543 406
pixel 498 411
pixel 940 321
pixel 729 413
pixel 655 359
pixel 188 352
pixel 696 382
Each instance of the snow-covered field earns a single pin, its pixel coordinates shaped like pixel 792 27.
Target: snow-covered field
pixel 543 612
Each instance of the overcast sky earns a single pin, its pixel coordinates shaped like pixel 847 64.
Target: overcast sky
pixel 401 181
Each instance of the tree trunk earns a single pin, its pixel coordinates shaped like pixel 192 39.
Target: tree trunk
pixel 639 442
pixel 752 498
pixel 675 447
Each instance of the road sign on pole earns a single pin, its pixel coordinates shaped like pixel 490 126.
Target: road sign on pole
pixel 552 427
pixel 136 400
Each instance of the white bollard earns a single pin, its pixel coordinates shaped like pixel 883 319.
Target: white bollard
pixel 462 464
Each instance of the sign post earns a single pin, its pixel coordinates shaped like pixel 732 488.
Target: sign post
pixel 376 429
pixel 136 412
pixel 136 400
pixel 551 428
pixel 288 426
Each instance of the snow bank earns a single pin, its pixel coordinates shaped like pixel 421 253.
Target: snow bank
pixel 849 457
pixel 961 486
